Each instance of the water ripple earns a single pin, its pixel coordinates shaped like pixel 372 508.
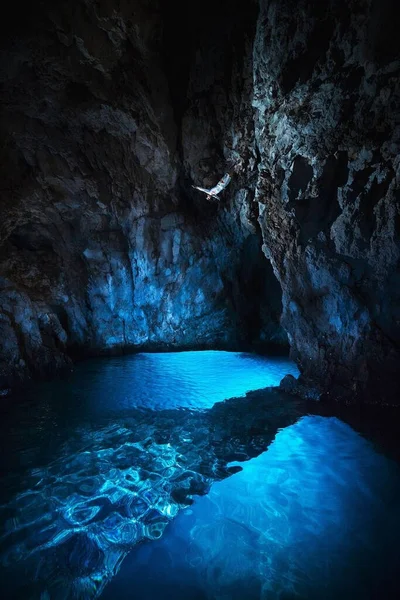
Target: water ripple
pixel 114 482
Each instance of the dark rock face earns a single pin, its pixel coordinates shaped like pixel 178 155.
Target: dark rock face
pixel 112 110
pixel 326 96
pixel 103 244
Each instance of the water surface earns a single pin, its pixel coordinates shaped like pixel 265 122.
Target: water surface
pixel 316 516
pixel 206 492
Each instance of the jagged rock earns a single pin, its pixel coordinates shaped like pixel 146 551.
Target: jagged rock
pixel 111 111
pixel 104 247
pixel 326 96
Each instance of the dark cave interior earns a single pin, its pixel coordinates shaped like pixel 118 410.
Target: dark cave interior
pixel 200 392
pixel 112 111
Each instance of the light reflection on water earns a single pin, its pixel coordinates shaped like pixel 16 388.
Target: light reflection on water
pixel 116 454
pixel 107 458
pixel 195 380
pixel 316 516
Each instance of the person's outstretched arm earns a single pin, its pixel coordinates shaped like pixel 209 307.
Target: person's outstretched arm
pixel 221 185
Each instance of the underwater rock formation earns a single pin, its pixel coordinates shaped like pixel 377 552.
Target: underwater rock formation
pixel 116 486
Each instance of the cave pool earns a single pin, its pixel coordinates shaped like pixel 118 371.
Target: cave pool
pixel 154 476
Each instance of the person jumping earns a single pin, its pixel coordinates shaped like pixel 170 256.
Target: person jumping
pixel 213 192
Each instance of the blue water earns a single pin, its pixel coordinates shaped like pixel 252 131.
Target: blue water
pixel 195 380
pixel 134 478
pixel 317 516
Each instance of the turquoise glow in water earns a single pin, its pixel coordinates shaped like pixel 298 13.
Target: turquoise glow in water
pixel 193 380
pixel 144 449
pixel 316 516
pixel 106 459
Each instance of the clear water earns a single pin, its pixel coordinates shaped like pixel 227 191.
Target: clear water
pixel 317 516
pixel 139 458
pixel 195 380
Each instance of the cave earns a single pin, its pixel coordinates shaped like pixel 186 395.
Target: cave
pixel 147 325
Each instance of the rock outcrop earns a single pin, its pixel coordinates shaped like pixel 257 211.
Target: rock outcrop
pixel 104 246
pixel 112 110
pixel 327 114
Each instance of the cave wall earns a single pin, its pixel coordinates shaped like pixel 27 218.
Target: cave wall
pixel 217 133
pixel 327 119
pixel 111 110
pixel 104 246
